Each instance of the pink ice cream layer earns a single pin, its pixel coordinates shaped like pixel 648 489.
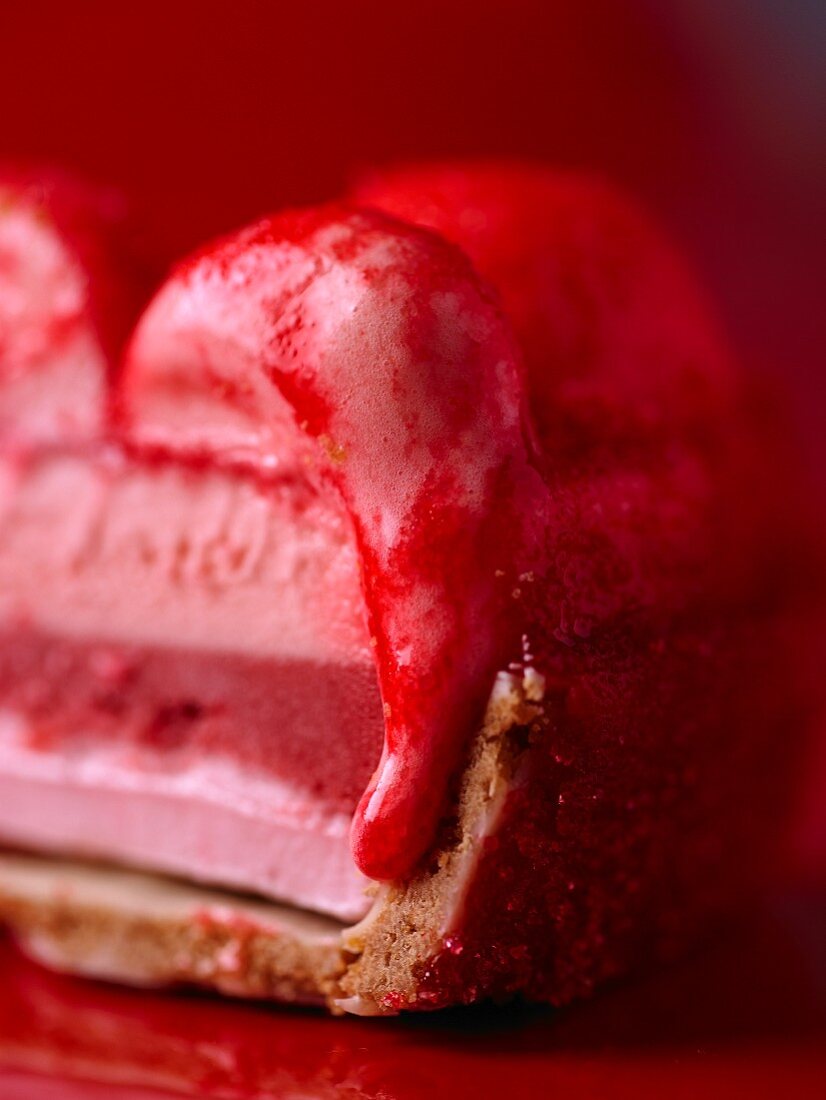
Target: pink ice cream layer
pixel 186 678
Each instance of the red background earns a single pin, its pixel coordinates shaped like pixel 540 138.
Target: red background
pixel 211 113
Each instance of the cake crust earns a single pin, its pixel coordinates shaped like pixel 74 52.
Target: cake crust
pixel 142 929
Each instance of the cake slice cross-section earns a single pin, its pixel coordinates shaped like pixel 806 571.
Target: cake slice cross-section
pixel 372 633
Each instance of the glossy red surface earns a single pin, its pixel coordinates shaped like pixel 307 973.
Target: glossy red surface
pixel 745 1016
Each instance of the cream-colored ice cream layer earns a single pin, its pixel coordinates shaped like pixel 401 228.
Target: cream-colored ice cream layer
pixel 186 680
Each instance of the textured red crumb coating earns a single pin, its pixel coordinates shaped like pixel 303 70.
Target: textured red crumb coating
pixel 621 843
pixel 368 353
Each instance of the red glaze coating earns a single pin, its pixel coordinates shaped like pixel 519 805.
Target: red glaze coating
pixel 372 351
